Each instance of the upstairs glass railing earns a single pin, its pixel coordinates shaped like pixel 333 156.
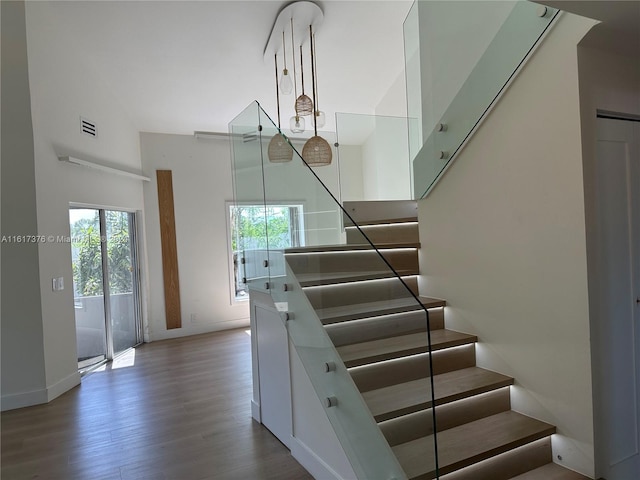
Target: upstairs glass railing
pixel 294 248
pixel 459 57
pixel 373 157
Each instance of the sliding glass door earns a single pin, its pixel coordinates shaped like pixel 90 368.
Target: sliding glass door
pixel 105 283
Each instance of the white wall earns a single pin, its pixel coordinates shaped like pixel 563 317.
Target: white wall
pixel 23 374
pixel 202 184
pixel 351 174
pixel 63 88
pixel 385 161
pixel 503 241
pixel 607 82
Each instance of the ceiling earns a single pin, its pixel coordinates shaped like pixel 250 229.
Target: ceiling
pixel 619 31
pixel 181 66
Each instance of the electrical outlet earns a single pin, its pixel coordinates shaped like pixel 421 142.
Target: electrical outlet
pixel 194 318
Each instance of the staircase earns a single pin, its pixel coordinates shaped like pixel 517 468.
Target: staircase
pixel 381 335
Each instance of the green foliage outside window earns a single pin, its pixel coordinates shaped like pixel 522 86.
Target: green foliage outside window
pixel 250 224
pixel 87 257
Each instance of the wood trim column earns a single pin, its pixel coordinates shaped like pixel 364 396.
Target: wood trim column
pixel 169 249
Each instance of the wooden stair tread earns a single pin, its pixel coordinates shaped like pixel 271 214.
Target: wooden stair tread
pixel 401 345
pixel 404 398
pixel 381 221
pixel 551 471
pixel 371 309
pixel 349 247
pixel 330 278
pixel 472 442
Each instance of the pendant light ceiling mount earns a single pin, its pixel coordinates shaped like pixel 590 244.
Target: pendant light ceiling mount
pixel 305 13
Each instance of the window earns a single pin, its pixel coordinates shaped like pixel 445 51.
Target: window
pixel 284 229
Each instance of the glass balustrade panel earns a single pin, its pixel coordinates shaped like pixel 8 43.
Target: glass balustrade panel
pixel 249 242
pixel 459 56
pixel 374 157
pixel 323 281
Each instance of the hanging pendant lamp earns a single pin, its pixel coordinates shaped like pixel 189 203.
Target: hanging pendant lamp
pixel 296 123
pixel 316 151
pixel 304 105
pixel 286 85
pixel 279 150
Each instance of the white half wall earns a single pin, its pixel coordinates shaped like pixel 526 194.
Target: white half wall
pixel 202 184
pixel 503 241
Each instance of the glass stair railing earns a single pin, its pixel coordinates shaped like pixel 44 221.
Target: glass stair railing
pixel 326 285
pixel 459 58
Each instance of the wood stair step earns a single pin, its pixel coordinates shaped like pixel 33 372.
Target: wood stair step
pixel 385 233
pixel 373 309
pixel 331 278
pixel 366 212
pixel 408 397
pixel 400 346
pixel 381 221
pixel 469 443
pixel 551 471
pixel 349 247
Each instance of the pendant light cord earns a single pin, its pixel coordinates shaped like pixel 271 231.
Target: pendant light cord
pixel 316 100
pixel 275 58
pixel 302 69
pixel 284 51
pixel 313 82
pixel 293 60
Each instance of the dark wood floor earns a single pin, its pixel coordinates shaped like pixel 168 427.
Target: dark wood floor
pixel 181 412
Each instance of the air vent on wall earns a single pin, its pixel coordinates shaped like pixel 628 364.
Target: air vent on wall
pixel 88 127
pixel 249 137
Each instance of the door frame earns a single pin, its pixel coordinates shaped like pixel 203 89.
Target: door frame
pixel 600 322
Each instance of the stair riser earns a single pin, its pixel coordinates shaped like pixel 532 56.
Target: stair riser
pixel 415 425
pixel 380 234
pixel 355 261
pixel 371 377
pixel 375 328
pixel 360 292
pixel 507 465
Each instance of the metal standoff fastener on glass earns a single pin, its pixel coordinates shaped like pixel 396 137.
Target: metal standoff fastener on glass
pixel 330 402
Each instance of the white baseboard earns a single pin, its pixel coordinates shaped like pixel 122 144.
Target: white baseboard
pixel 189 330
pixel 25 399
pixel 64 385
pixel 255 411
pixel 311 462
pixel 37 397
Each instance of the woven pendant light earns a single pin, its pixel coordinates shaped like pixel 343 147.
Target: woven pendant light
pixel 317 151
pixel 304 105
pixel 279 150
